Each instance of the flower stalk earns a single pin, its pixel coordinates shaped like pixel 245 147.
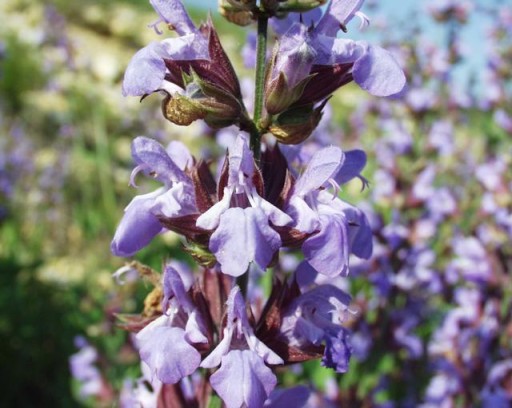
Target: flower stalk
pixel 261 56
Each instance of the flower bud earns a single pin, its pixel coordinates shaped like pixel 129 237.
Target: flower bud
pixel 289 70
pixel 238 12
pixel 202 100
pixel 201 255
pixel 280 96
pixel 299 5
pixel 181 110
pixel 296 125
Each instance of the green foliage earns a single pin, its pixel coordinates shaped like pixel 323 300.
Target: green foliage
pixel 20 72
pixel 37 327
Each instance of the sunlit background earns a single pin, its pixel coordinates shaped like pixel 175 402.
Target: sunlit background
pixel 439 200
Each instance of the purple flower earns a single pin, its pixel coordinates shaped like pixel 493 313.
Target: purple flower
pixel 240 220
pixel 146 72
pixel 243 378
pixel 470 261
pixel 303 51
pixel 249 51
pixel 441 203
pixel 503 120
pixel 166 345
pixel 494 393
pixel 423 187
pixel 441 137
pixel 315 317
pixel 420 99
pixel 340 228
pixel 296 397
pixel 490 174
pixel 397 137
pixel 84 371
pixel 140 224
pixel 441 389
pixel 406 339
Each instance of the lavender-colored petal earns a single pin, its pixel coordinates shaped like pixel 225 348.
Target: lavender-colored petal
pixel 154 160
pixel 360 233
pixel 186 48
pixel 146 71
pixel 337 351
pixel 178 200
pixel 274 214
pixel 173 287
pixel 305 274
pixel 261 349
pixel 241 162
pixel 243 380
pixel 323 165
pixel 306 219
pixel 295 397
pixel 295 55
pixel 210 219
pixel 238 322
pixel 308 330
pixel 230 242
pixel 137 227
pixel 237 314
pixel 243 235
pixel 338 12
pixel 331 50
pixel 328 250
pixel 165 350
pixel 235 308
pixel 354 163
pixel 282 25
pixel 180 155
pixel 377 72
pixel 195 328
pixel 215 357
pixel 173 12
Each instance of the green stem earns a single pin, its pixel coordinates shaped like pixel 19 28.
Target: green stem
pixel 261 56
pixel 254 127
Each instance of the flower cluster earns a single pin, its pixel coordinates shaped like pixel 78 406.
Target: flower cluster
pixel 260 203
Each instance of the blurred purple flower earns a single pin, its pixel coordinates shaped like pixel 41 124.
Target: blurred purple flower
pixel 494 394
pixel 503 120
pixel 249 51
pixel 423 187
pixel 490 174
pixel 471 261
pixel 441 137
pixel 441 203
pixel 84 371
pixel 420 99
pixel 296 397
